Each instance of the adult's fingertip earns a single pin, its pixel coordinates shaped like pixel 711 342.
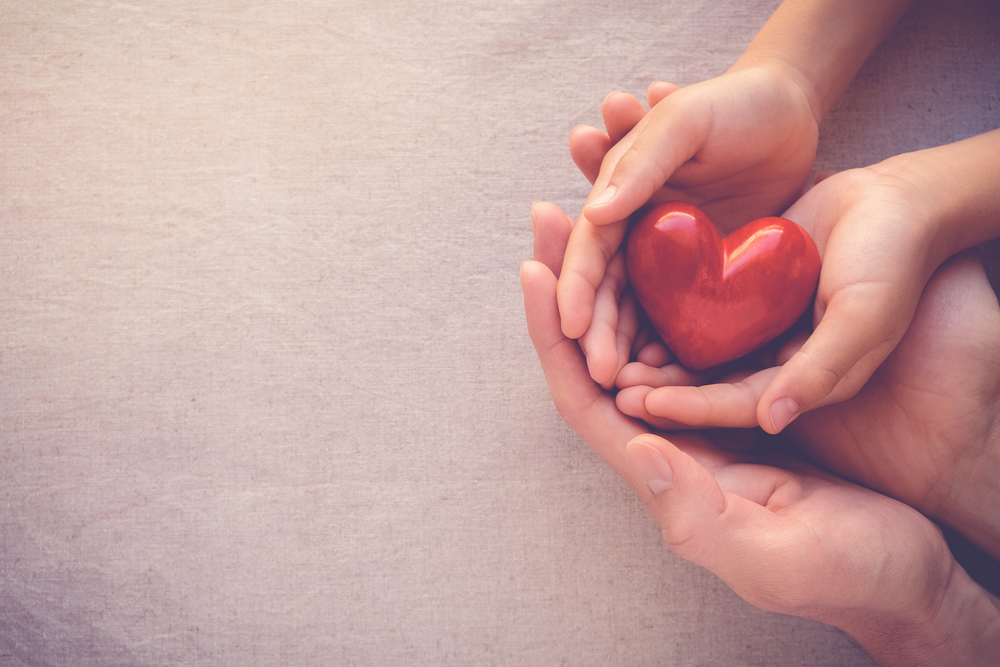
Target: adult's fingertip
pixel 651 466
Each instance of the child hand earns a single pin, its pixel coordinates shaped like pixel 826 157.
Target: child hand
pixel 876 238
pixel 739 146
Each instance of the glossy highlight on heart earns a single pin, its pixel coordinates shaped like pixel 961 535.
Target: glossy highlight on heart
pixel 711 299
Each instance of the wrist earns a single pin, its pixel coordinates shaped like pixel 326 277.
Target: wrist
pixel 960 626
pixel 794 80
pixel 826 41
pixel 956 186
pixel 913 180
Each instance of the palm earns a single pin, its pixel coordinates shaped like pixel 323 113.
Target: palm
pixel 828 530
pixel 926 410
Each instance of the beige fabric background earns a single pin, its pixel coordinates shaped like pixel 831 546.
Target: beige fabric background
pixel 266 393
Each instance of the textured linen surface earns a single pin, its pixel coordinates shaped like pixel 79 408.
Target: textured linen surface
pixel 266 392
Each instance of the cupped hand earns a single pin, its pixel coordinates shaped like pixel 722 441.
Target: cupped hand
pixel 739 146
pixel 785 536
pixel 923 429
pixel 878 252
pixel 792 539
pixel 917 430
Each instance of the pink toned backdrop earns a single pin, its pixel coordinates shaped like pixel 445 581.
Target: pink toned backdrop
pixel 266 394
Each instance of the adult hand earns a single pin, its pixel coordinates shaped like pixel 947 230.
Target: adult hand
pixel 922 429
pixel 787 538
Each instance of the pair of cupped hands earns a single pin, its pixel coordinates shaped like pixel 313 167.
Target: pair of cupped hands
pixel 888 398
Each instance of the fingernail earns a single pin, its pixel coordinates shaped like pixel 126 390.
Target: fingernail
pixel 783 411
pixel 605 197
pixel 653 467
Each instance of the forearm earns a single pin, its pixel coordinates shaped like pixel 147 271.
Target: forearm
pixel 962 629
pixel 824 41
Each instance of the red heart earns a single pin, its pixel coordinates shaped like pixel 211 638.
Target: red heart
pixel 712 299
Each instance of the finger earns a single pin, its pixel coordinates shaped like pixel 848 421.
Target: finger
pixel 647 341
pixel 632 402
pixel 621 112
pixel 727 404
pixel 587 147
pixel 858 331
pixel 657 91
pixel 654 353
pixel 600 342
pixel 721 531
pixel 629 318
pixel 642 162
pixel 669 375
pixel 789 348
pixel 586 408
pixel 588 252
pixel 551 229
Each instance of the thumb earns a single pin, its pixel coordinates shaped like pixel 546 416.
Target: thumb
pixel 732 534
pixel 637 166
pixel 856 334
pixel 683 496
pixel 730 531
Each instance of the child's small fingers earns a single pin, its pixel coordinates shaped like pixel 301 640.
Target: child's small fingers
pixel 657 91
pixel 654 353
pixel 788 350
pixel 638 166
pixel 551 229
pixel 588 251
pixel 631 402
pixel 670 375
pixel 728 405
pixel 621 112
pixel 600 342
pixel 587 147
pixel 834 363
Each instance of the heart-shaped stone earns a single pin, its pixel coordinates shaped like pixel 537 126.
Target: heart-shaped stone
pixel 713 299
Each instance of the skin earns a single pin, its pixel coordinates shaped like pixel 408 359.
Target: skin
pixel 923 428
pixel 740 146
pixel 784 535
pixel 882 231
